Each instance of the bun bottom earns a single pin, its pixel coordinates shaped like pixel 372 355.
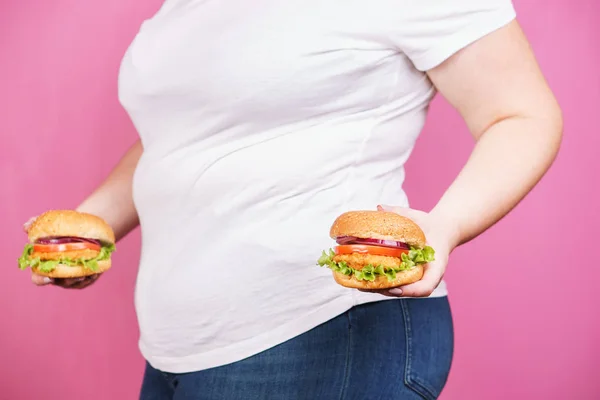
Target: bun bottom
pixel 66 271
pixel 381 282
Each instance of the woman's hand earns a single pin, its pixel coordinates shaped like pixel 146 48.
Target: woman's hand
pixel 441 238
pixel 113 201
pixel 67 283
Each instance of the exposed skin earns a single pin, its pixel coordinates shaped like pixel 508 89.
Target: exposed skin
pixel 499 90
pixel 112 201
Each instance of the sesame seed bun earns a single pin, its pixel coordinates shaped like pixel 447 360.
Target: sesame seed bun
pixel 381 282
pixel 378 225
pixel 67 271
pixel 70 223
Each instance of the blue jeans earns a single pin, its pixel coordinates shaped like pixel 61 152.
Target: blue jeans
pixel 393 349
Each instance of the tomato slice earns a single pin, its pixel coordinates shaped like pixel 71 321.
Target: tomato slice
pixel 367 249
pixel 55 248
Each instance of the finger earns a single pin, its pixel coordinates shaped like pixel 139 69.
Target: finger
pixel 27 224
pixel 423 287
pixel 79 283
pixel 396 209
pixel 67 283
pixel 89 280
pixel 404 211
pixel 40 280
pixel 432 275
pixel 383 292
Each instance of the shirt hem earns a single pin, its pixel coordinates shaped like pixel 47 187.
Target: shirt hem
pixel 241 350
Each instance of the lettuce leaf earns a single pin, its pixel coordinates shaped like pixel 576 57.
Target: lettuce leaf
pixel 49 265
pixel 371 272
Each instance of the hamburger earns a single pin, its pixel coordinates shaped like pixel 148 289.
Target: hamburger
pixel 376 250
pixel 68 244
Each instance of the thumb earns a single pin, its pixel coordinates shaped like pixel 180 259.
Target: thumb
pixel 396 209
pixel 40 280
pixel 415 215
pixel 27 224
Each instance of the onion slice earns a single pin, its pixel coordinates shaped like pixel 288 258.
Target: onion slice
pixel 66 239
pixel 375 242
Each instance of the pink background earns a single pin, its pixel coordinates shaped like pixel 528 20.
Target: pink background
pixel 524 294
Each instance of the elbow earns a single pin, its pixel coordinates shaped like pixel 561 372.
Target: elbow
pixel 546 128
pixel 553 123
pixel 559 124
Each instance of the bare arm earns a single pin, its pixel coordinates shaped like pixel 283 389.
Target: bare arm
pixel 497 87
pixel 113 200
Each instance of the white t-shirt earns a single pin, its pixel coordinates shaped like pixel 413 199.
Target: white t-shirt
pixel 261 122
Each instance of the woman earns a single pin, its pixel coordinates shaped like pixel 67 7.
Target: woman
pixel 260 122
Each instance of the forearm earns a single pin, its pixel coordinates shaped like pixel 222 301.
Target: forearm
pixel 506 163
pixel 113 199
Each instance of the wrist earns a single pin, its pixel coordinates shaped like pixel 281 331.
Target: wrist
pixel 447 226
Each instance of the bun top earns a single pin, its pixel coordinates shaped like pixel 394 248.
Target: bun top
pixel 70 223
pixel 378 225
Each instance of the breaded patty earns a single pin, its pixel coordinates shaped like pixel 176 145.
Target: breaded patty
pixel 359 261
pixel 85 254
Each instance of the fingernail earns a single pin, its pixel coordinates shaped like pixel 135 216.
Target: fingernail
pixel 383 207
pixel 396 291
pixel 47 280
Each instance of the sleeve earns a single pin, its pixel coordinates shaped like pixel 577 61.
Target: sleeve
pixel 430 31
